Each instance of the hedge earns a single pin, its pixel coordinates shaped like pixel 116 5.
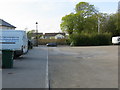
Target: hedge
pixel 91 39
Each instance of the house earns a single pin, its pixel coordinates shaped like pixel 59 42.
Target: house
pixel 6 26
pixel 54 35
pixel 40 35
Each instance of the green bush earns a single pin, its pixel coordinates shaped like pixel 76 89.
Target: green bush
pixel 93 39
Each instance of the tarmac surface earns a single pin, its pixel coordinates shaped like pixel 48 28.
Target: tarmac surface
pixel 83 67
pixel 29 71
pixel 64 67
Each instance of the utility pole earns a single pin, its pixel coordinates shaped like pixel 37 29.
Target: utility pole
pixel 36 34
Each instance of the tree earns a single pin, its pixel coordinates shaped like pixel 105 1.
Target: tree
pixel 67 24
pixel 30 34
pixel 84 20
pixel 83 25
pixel 86 9
pixel 91 24
pixel 111 24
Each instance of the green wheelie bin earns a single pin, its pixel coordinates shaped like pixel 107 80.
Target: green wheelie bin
pixel 7 58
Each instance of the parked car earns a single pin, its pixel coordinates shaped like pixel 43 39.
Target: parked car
pixel 116 40
pixel 52 44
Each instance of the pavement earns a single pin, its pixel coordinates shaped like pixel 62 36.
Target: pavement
pixel 29 71
pixel 64 67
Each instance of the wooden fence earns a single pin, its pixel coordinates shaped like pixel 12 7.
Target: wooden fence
pixel 58 41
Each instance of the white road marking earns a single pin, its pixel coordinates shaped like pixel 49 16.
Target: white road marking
pixel 47 77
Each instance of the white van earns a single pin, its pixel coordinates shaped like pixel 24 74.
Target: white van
pixel 14 40
pixel 116 40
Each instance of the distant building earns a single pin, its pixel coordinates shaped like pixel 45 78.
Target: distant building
pixel 40 35
pixel 54 35
pixel 48 35
pixel 6 26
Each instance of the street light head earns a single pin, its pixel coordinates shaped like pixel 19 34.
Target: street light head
pixel 36 22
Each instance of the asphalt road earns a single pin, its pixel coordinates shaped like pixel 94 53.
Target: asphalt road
pixel 65 67
pixel 83 67
pixel 29 71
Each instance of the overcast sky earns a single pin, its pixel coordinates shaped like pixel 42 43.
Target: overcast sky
pixel 48 13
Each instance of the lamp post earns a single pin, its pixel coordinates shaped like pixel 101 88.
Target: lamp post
pixel 36 34
pixel 98 23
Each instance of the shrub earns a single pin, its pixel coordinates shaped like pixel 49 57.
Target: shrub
pixel 93 39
